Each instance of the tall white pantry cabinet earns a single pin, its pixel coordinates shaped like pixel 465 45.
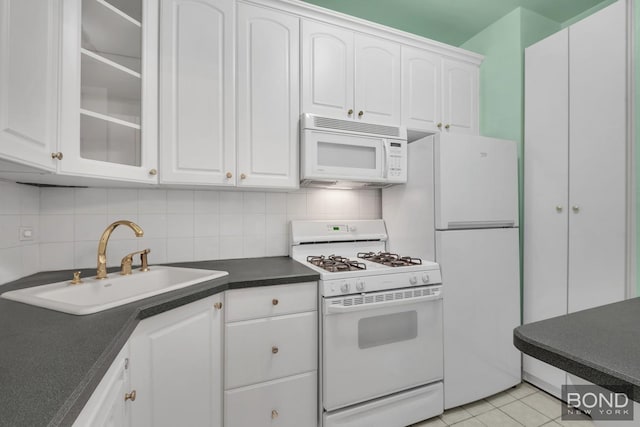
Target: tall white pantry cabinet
pixel 575 185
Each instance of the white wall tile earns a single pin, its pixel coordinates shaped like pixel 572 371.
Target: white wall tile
pixel 30 259
pixel 9 231
pixel 29 200
pixel 276 224
pixel 180 201
pixel 206 202
pixel 57 201
pixel 277 245
pixel 122 202
pixel 179 225
pixel 253 224
pixel 152 201
pixel 11 268
pixel 11 198
pixel 276 203
pixel 230 202
pixel 230 225
pixel 206 248
pixel 154 225
pixel 297 203
pixel 180 249
pixel 90 227
pixel 56 256
pixel 254 203
pixel 231 247
pixel 206 225
pixel 254 246
pixel 56 228
pixel 90 201
pixel 85 254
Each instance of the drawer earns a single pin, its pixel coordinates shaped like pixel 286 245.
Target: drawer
pixel 269 348
pixel 287 402
pixel 253 303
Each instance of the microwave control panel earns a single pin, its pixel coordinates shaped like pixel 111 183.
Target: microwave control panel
pixel 397 166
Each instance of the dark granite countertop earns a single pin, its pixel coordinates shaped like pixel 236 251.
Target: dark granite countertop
pixel 600 345
pixel 50 362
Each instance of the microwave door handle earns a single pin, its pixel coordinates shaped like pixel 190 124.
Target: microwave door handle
pixel 385 147
pixel 337 309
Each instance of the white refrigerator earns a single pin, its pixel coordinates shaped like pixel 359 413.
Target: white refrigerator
pixel 460 208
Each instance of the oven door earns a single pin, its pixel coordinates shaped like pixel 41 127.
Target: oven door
pixel 379 343
pixel 348 157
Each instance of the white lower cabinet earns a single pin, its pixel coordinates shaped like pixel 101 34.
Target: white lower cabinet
pixel 176 367
pixel 109 403
pixel 271 362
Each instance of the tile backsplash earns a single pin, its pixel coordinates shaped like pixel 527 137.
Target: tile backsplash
pixel 19 207
pixel 179 225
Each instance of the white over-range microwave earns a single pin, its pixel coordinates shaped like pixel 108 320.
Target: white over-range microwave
pixel 348 153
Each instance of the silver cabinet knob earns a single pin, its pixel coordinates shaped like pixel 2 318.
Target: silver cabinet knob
pixel 576 208
pixel 558 208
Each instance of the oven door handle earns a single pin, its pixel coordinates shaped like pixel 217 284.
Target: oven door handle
pixel 337 309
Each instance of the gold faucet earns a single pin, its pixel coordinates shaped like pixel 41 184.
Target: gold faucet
pixel 104 239
pixel 125 264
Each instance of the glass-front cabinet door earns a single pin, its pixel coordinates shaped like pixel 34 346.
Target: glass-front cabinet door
pixel 109 89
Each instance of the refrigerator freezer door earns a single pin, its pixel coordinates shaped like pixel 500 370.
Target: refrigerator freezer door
pixel 481 280
pixel 475 182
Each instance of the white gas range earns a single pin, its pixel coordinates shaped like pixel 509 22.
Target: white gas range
pixel 381 325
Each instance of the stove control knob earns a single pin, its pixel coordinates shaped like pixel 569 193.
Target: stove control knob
pixel 425 278
pixel 345 287
pixel 413 280
pixel 360 286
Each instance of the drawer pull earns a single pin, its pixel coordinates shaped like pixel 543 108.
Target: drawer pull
pixel 274 349
pixel 130 396
pixel 274 414
pixel 275 301
pixel 217 306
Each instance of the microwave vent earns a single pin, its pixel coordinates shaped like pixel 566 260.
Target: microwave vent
pixel 351 126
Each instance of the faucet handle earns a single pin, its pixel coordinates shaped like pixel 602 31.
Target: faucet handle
pixel 76 278
pixel 125 264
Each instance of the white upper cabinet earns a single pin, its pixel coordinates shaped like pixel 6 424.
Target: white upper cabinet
pixel 327 70
pixel 109 90
pixel 268 98
pixel 348 75
pixel 421 89
pixel 197 126
pixel 460 97
pixel 377 80
pixel 29 56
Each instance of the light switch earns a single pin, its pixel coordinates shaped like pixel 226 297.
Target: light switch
pixel 26 233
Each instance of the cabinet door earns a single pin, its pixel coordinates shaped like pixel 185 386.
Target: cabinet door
pixel 176 367
pixel 377 80
pixel 546 182
pixel 421 89
pixel 268 98
pixel 107 406
pixel 109 108
pixel 597 158
pixel 29 52
pixel 327 70
pixel 197 126
pixel 460 97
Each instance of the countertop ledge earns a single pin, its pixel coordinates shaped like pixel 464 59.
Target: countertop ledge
pixel 51 362
pixel 600 345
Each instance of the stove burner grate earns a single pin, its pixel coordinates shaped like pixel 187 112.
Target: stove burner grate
pixel 389 259
pixel 335 263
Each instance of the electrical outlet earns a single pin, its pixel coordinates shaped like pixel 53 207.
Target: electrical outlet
pixel 26 234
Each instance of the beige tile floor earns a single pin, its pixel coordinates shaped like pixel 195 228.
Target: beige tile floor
pixel 523 405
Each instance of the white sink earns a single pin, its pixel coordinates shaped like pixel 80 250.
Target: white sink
pixel 95 295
